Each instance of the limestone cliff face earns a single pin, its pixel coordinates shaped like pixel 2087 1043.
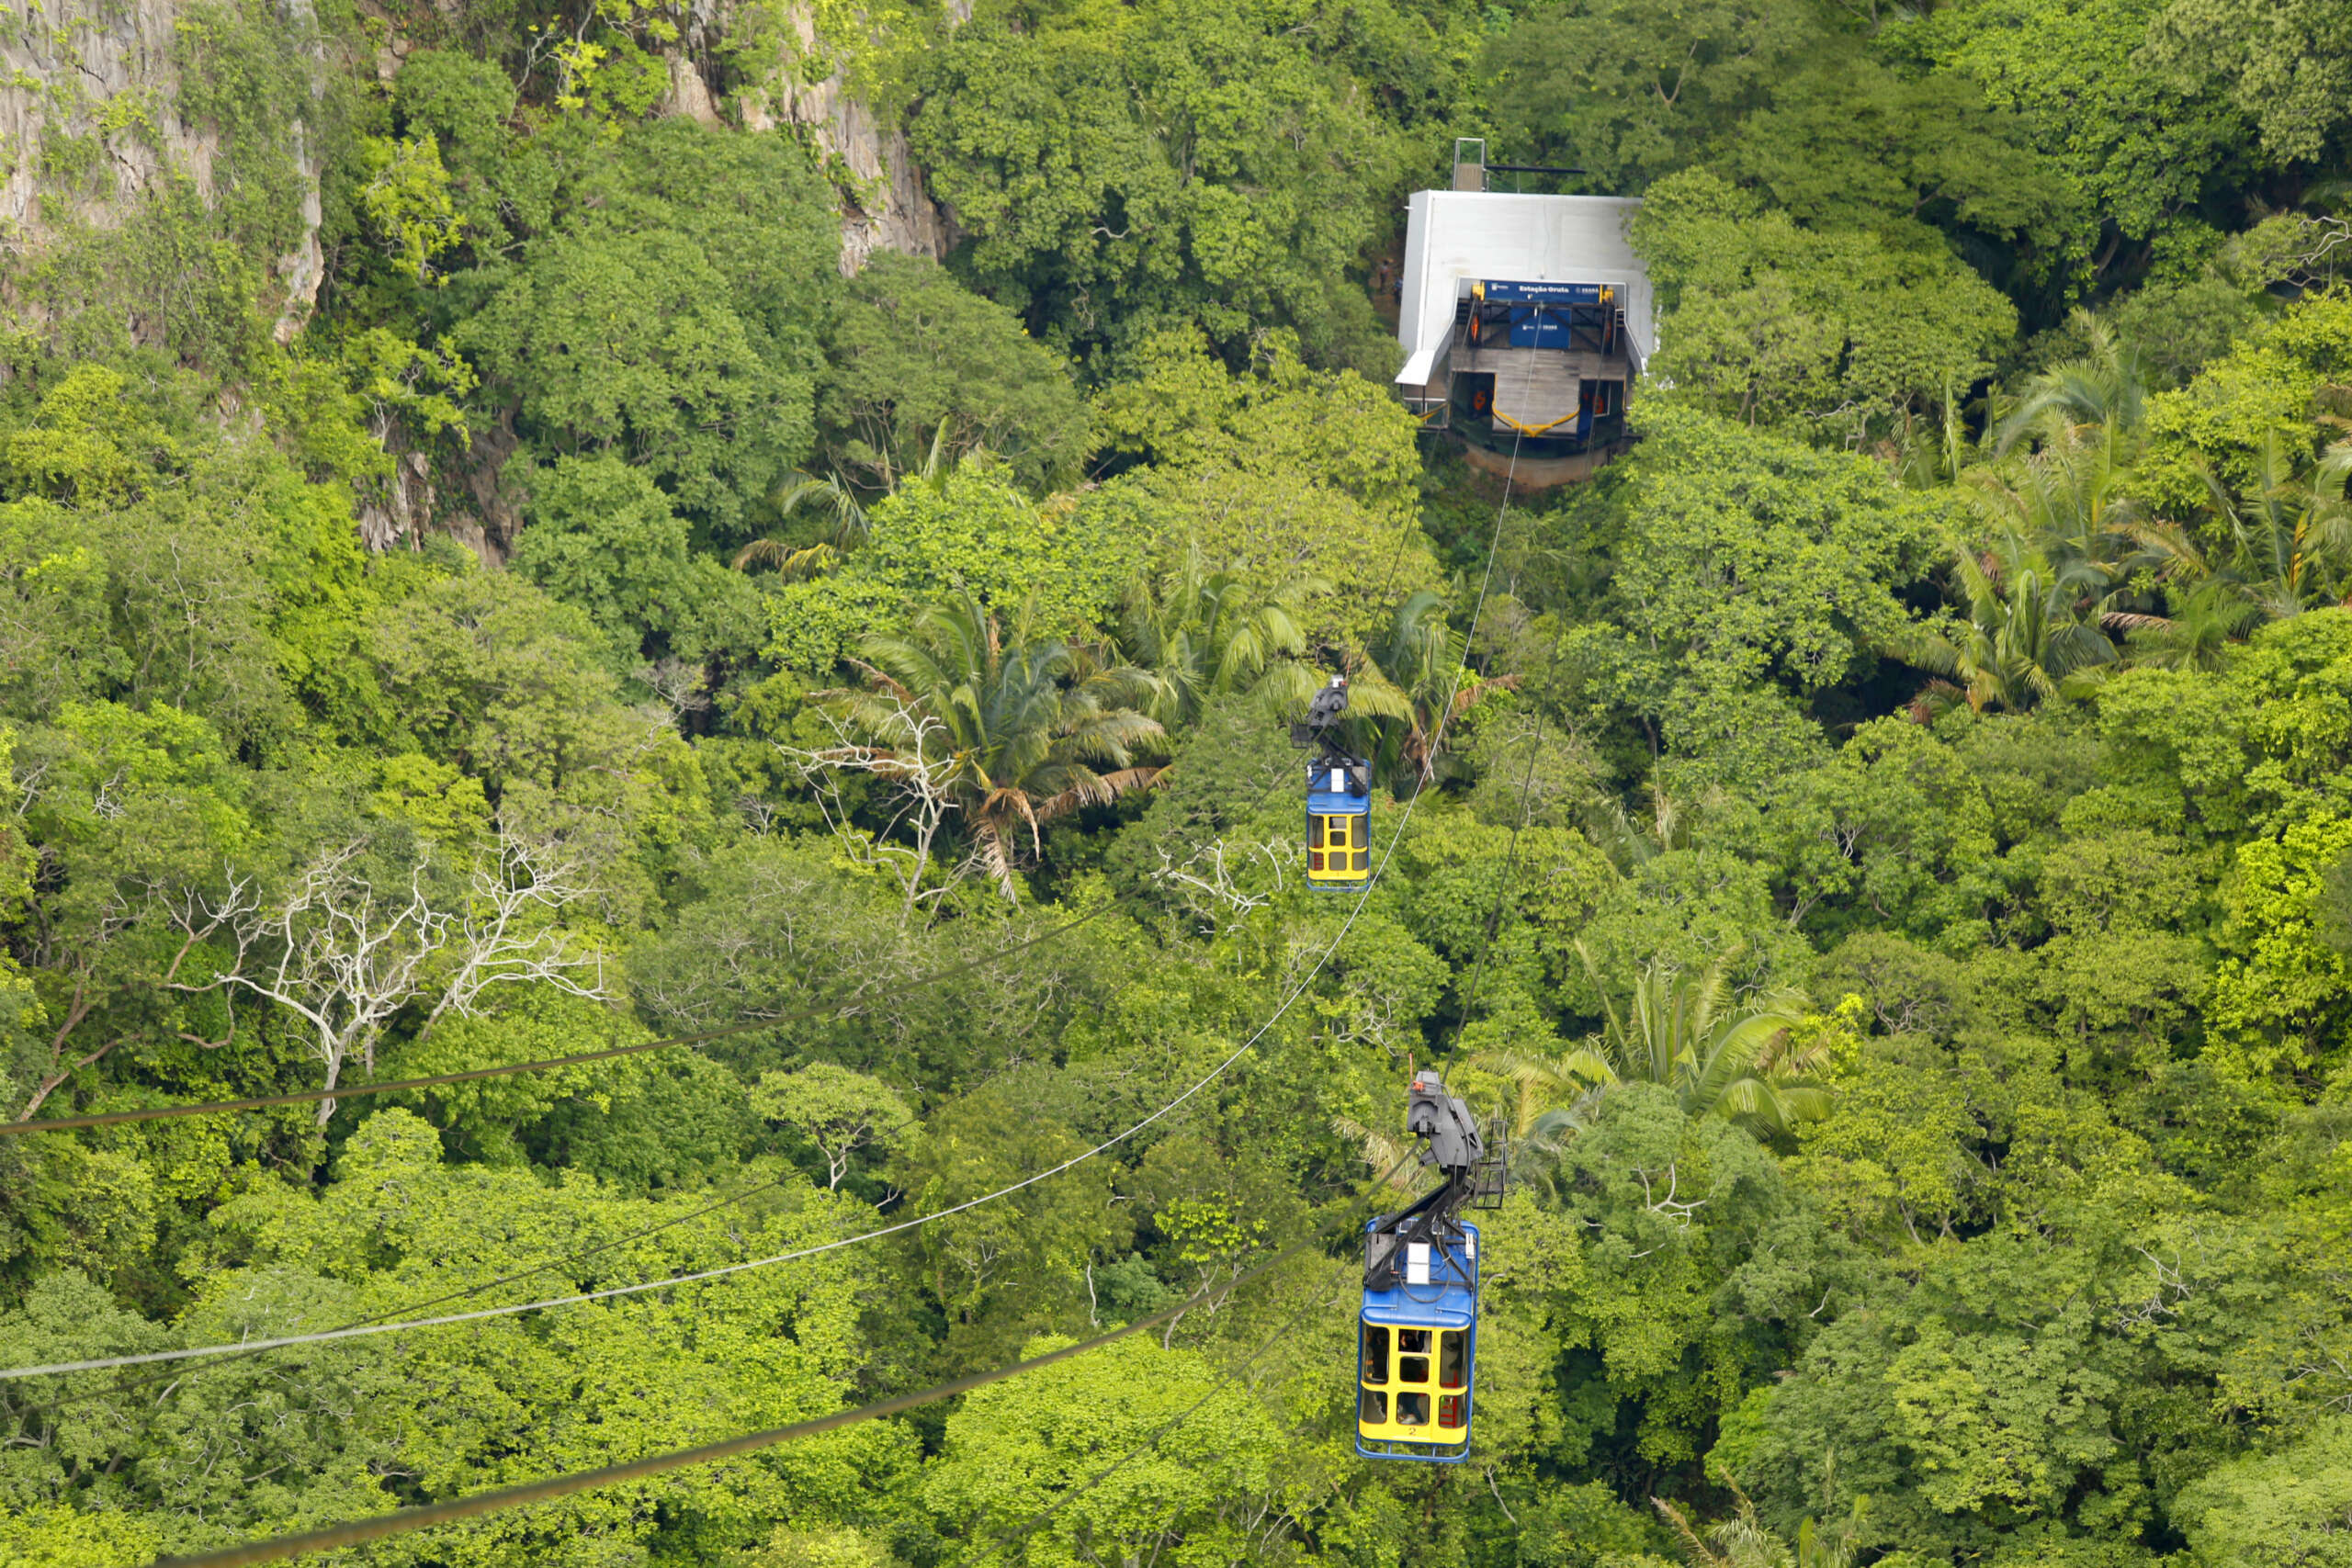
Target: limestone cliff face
pixel 90 122
pixel 104 109
pixel 884 205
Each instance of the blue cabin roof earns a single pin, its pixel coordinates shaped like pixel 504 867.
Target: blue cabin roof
pixel 1331 803
pixel 1449 1301
pixel 1341 787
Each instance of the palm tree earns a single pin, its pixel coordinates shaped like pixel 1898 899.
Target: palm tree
pixel 1546 1089
pixel 1739 1062
pixel 849 529
pixel 1412 683
pixel 1027 720
pixel 1206 633
pixel 2106 386
pixel 2293 531
pixel 2072 497
pixel 2207 616
pixel 839 497
pixel 1744 1541
pixel 2020 640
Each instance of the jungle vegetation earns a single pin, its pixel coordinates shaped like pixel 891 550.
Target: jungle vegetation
pixel 1883 848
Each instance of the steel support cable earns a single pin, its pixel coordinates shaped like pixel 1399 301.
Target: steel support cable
pixel 541 1266
pixel 362 1329
pixel 153 1357
pixel 244 1350
pixel 406 1520
pixel 550 1261
pixel 358 1331
pixel 1038 1522
pixel 1494 545
pixel 391 1086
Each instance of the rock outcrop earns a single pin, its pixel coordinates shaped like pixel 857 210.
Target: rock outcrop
pixel 884 205
pixel 90 122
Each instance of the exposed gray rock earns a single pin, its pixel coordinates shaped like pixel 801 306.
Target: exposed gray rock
pixel 76 68
pixel 888 207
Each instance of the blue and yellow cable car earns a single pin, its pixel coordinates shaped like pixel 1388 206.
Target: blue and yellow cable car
pixel 1417 1337
pixel 1339 797
pixel 1418 1343
pixel 1339 823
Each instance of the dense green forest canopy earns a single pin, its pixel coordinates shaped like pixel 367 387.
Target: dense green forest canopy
pixel 1883 849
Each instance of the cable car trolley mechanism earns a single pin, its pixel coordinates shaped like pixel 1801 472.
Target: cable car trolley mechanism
pixel 1338 795
pixel 1417 1337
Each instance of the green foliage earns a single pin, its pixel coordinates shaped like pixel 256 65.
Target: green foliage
pixel 1850 143
pixel 2276 1508
pixel 1015 728
pixel 247 75
pixel 2266 392
pixel 972 529
pixel 1629 96
pixel 1009 1448
pixel 603 536
pixel 1284 474
pixel 918 363
pixel 1746 568
pixel 2134 145
pixel 2288 64
pixel 839 1111
pixel 406 200
pixel 1178 162
pixel 2018 1242
pixel 626 346
pixel 1777 324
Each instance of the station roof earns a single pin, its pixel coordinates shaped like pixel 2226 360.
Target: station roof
pixel 1455 238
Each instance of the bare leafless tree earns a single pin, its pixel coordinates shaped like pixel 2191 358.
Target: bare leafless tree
pixel 347 952
pixel 910 749
pixel 1214 884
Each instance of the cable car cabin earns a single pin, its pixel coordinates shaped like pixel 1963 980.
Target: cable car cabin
pixel 1339 822
pixel 1418 1355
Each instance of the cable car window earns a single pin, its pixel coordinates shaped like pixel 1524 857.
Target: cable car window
pixel 1412 1341
pixel 1314 830
pixel 1449 1410
pixel 1448 1358
pixel 1412 1409
pixel 1363 859
pixel 1375 1354
pixel 1375 1409
pixel 1412 1368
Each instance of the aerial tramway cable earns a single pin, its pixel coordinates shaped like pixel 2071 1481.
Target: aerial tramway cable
pixel 551 1260
pixel 563 1485
pixel 1493 921
pixel 358 1331
pixel 406 1520
pixel 369 1329
pixel 252 1349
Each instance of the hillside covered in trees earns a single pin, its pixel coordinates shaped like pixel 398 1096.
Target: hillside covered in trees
pixel 533 527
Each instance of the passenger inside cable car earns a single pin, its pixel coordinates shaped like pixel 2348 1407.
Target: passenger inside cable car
pixel 1417 1348
pixel 1339 823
